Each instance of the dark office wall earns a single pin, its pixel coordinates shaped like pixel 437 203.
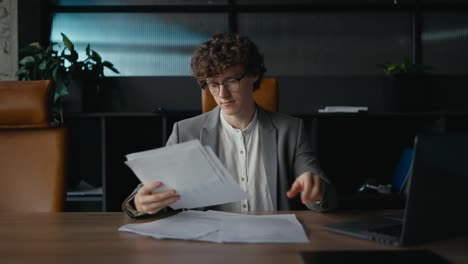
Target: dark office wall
pixel 33 22
pixel 297 95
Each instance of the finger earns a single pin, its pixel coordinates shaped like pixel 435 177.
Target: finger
pixel 143 195
pixel 156 197
pixel 155 207
pixel 295 188
pixel 307 190
pixel 153 202
pixel 149 187
pixel 317 189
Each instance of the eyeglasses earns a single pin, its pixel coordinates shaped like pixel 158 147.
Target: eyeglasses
pixel 232 84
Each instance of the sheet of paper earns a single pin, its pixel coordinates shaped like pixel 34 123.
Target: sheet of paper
pixel 187 225
pixel 219 227
pixel 262 229
pixel 192 170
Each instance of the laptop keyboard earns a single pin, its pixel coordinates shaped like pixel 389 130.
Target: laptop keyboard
pixel 388 230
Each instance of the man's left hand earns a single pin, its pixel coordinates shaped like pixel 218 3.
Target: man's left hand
pixel 309 186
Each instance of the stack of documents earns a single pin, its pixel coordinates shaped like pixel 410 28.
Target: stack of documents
pixel 214 226
pixel 343 109
pixel 191 169
pixel 84 189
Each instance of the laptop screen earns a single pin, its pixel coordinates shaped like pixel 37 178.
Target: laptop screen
pixel 437 189
pixel 402 170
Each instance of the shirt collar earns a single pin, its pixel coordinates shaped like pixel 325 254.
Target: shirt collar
pixel 231 129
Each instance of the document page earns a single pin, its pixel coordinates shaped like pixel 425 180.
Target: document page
pixel 193 170
pixel 219 227
pixel 262 228
pixel 185 225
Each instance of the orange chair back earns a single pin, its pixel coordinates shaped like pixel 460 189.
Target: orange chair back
pixel 32 154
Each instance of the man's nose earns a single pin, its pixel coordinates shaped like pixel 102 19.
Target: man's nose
pixel 223 91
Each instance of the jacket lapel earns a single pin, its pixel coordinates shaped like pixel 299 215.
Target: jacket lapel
pixel 268 135
pixel 209 133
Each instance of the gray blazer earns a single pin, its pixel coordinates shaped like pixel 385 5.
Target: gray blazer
pixel 286 153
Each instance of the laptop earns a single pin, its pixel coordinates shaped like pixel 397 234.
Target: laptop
pixel 436 197
pixel 407 256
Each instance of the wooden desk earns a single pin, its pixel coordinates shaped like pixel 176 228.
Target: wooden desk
pixel 93 238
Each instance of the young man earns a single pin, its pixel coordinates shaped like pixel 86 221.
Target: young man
pixel 268 154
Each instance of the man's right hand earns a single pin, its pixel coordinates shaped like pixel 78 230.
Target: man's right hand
pixel 149 202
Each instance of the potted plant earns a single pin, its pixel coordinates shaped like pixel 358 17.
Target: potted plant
pixel 64 67
pixel 405 86
pixel 405 68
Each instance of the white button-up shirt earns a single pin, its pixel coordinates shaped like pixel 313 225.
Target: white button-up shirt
pixel 241 153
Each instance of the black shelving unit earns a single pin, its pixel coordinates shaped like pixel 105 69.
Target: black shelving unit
pixel 98 143
pixel 351 148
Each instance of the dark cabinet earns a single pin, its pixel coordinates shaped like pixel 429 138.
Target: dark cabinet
pixel 366 147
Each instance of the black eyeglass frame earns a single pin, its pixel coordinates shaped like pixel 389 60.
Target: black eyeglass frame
pixel 205 84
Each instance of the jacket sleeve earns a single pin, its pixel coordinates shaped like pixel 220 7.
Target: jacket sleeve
pixel 329 199
pixel 306 161
pixel 128 206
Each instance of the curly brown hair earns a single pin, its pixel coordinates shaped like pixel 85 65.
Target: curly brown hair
pixel 223 51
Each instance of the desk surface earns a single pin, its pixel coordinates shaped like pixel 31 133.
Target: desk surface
pixel 93 238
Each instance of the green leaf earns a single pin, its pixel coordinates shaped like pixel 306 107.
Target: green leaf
pixel 73 56
pixel 42 65
pixel 67 42
pixel 95 56
pixel 55 71
pixel 22 74
pixel 30 50
pixel 392 68
pixel 26 60
pixel 35 45
pixel 50 48
pixel 107 64
pixel 61 90
pixel 110 66
pixel 405 67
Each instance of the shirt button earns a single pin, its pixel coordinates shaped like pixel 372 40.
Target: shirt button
pixel 241 152
pixel 245 206
pixel 242 179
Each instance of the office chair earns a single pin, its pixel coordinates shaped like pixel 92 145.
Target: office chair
pixel 32 154
pixel 266 96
